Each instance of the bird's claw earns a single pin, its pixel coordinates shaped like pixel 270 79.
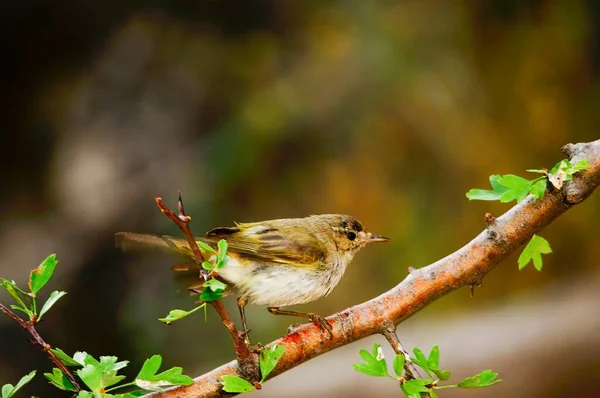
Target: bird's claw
pixel 322 322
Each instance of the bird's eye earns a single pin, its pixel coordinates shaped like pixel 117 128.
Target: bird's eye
pixel 351 235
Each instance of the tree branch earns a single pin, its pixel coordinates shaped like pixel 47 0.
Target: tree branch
pixel 465 267
pixel 39 341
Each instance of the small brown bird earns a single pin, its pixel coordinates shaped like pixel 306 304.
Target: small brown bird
pixel 278 263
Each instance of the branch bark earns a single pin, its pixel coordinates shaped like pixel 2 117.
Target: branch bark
pixel 465 267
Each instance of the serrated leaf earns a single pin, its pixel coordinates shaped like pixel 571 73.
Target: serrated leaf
pixel 538 189
pixel 148 379
pixel 484 378
pixel 54 297
pixel 210 295
pixel 215 285
pixel 372 366
pixel 150 367
pixel 235 384
pixel 533 251
pixel 368 370
pixel 80 357
pixel 64 358
pixel 59 380
pixel 268 360
pixel 205 247
pixel 442 374
pixel 8 390
pixel 416 386
pixel 398 364
pixel 518 188
pixel 434 357
pixel 92 377
pixel 175 315
pixel 42 274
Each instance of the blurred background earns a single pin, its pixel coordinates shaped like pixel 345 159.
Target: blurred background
pixel 389 111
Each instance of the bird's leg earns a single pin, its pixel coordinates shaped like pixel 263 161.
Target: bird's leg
pixel 315 318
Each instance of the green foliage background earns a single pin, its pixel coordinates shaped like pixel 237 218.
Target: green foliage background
pixel 389 111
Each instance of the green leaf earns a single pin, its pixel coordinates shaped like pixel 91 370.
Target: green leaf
pixel 222 256
pixel 399 364
pixel 8 390
pixel 13 290
pixel 268 360
pixel 442 374
pixel 208 295
pixel 42 274
pixel 434 357
pixel 64 358
pixel 175 315
pixel 374 365
pixel 59 380
pixel 150 367
pixel 235 384
pixel 518 188
pixel 431 364
pixel 486 194
pixel 215 285
pixel 485 378
pixel 538 189
pixel 80 357
pixel 533 251
pixel 207 266
pixel 583 164
pixel 54 297
pixel 92 377
pixel 149 380
pixel 21 309
pixel 205 247
pixel 414 387
pixel 86 394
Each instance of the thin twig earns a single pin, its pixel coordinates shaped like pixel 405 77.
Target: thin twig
pixel 182 221
pixel 388 330
pixel 465 267
pixel 39 341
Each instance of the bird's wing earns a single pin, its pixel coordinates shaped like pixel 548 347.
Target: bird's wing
pixel 271 244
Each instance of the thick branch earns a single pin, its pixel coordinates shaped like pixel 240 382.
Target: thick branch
pixel 465 267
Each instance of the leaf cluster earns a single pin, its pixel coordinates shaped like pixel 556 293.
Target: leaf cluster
pixel 99 375
pixel 375 365
pixel 511 187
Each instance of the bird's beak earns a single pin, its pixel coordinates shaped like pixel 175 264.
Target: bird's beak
pixel 367 237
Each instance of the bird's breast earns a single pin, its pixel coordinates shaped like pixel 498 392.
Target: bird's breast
pixel 278 285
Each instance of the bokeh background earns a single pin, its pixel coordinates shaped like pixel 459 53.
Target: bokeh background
pixel 388 110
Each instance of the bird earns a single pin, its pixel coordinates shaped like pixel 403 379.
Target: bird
pixel 275 263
